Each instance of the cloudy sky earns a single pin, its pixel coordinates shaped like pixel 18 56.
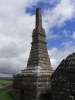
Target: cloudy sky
pixel 17 21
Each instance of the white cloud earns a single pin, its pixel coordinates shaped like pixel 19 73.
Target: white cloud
pixel 63 11
pixel 16 30
pixel 51 1
pixel 15 34
pixel 5 75
pixel 52 36
pixel 73 36
pixel 66 33
pixel 57 55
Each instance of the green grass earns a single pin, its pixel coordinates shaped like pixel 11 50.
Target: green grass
pixel 5 82
pixel 1 85
pixel 6 95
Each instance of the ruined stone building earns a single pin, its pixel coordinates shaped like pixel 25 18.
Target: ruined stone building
pixel 34 82
pixel 63 80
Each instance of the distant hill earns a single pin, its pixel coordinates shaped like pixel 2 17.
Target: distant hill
pixel 6 77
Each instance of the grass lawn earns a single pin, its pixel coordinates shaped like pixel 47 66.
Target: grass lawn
pixel 6 96
pixel 5 82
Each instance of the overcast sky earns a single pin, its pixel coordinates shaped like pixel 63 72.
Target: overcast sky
pixel 17 21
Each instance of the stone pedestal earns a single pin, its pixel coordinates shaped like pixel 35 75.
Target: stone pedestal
pixel 32 83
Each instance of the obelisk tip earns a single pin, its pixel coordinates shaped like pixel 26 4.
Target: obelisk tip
pixel 38 17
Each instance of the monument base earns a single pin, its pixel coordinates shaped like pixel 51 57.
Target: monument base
pixel 32 84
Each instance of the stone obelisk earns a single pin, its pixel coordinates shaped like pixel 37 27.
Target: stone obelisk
pixel 39 55
pixel 34 81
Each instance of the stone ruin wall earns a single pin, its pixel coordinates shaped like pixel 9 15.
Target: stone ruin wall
pixel 63 81
pixel 6 88
pixel 32 85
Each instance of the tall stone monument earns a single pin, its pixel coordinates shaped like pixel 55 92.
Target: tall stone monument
pixel 34 81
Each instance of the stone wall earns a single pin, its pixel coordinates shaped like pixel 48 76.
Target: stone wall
pixel 6 88
pixel 63 80
pixel 33 85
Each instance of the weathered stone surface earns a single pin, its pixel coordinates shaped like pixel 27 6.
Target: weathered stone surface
pixel 34 82
pixel 38 18
pixel 63 80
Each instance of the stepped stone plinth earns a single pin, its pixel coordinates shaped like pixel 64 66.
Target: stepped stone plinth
pixel 34 81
